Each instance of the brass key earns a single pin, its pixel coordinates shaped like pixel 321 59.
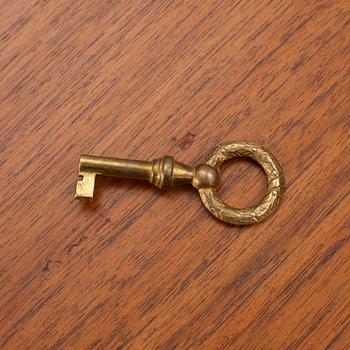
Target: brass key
pixel 205 177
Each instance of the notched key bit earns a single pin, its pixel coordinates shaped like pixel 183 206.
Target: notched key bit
pixel 205 177
pixel 85 186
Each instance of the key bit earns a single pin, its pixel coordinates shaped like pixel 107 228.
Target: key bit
pixel 205 177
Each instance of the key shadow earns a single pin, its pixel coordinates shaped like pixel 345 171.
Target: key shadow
pixel 104 183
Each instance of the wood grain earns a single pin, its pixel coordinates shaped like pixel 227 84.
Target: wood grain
pixel 143 269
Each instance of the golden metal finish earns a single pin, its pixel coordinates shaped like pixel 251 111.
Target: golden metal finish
pixel 205 177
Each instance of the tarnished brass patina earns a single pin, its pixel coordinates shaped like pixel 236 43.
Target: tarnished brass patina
pixel 205 177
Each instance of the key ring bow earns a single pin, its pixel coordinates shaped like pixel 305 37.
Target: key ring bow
pixel 275 180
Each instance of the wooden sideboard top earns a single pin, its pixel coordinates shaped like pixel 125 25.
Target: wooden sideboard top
pixel 139 268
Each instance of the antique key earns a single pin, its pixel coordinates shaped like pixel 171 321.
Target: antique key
pixel 205 177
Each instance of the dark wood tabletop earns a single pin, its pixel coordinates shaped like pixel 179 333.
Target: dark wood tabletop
pixel 140 268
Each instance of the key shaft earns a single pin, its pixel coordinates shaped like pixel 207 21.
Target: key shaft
pixel 163 173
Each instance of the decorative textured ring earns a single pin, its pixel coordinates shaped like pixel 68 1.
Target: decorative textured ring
pixel 275 179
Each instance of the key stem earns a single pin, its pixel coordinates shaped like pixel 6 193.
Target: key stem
pixel 163 173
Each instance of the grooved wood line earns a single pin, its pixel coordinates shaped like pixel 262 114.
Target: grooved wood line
pixel 139 268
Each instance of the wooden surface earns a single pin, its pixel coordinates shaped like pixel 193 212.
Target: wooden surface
pixel 144 269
